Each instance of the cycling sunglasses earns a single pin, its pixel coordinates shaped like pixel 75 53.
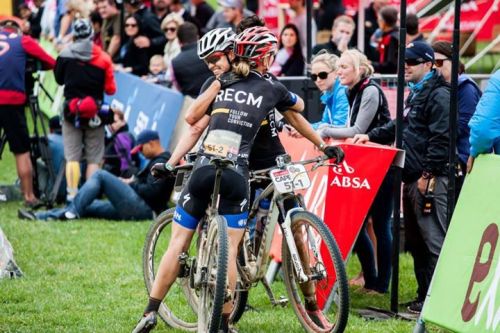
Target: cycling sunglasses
pixel 414 62
pixel 214 57
pixel 440 62
pixel 321 75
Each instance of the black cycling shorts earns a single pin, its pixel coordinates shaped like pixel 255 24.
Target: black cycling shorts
pixel 13 122
pixel 195 196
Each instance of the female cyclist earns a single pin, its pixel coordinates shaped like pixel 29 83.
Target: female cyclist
pixel 237 110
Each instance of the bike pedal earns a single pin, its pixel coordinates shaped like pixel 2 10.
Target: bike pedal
pixel 185 269
pixel 283 301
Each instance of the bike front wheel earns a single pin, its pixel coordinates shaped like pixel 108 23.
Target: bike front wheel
pixel 179 308
pixel 213 289
pixel 327 289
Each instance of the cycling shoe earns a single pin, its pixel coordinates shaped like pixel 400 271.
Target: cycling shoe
pixel 146 324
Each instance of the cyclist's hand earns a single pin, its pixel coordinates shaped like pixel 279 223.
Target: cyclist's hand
pixel 161 171
pixel 228 78
pixel 334 152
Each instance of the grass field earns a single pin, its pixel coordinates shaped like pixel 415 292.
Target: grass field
pixel 86 276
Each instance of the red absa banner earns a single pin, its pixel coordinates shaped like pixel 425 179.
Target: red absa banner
pixel 342 194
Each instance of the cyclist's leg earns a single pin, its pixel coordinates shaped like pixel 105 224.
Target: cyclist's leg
pixel 308 288
pixel 190 208
pixel 167 270
pixel 169 265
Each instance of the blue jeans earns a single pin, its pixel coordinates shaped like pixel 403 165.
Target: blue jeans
pixel 123 202
pixel 380 212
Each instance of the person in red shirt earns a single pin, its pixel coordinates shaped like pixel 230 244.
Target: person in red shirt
pixel 15 49
pixel 86 72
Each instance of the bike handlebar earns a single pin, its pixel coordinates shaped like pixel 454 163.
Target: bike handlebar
pixel 263 173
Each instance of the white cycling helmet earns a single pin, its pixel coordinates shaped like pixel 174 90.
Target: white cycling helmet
pixel 216 40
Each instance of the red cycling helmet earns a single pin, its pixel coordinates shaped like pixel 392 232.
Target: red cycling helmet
pixel 255 43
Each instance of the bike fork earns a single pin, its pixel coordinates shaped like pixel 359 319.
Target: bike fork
pixel 294 253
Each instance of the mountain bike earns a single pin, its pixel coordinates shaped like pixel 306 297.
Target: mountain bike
pixel 204 274
pixel 308 250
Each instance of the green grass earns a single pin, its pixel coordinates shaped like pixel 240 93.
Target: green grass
pixel 86 276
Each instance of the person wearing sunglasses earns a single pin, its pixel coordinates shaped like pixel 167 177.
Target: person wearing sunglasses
pixel 468 98
pixel 425 140
pixel 368 109
pixel 333 93
pixel 170 25
pixel 133 59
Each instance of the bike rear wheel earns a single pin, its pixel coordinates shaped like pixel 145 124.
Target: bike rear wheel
pixel 179 308
pixel 214 279
pixel 330 290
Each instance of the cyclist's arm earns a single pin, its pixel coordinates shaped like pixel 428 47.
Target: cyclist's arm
pixel 291 102
pixel 188 140
pixel 201 104
pixel 303 127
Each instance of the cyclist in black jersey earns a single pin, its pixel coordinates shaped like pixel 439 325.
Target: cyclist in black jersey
pixel 236 112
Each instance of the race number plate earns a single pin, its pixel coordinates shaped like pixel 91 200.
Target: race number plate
pixel 293 178
pixel 222 143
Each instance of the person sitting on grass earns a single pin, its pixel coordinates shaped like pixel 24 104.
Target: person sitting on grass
pixel 135 198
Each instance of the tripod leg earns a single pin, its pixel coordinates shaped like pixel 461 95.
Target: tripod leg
pixel 57 184
pixel 3 140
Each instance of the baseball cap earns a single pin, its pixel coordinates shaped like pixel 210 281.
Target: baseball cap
pixel 9 20
pixel 82 29
pixel 144 137
pixel 420 51
pixel 231 3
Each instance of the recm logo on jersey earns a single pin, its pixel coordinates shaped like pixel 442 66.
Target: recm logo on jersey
pixel 238 96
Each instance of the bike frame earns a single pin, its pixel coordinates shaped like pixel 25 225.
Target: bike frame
pixel 212 211
pixel 254 269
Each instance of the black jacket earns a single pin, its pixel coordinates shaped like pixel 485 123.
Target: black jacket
pixel 388 53
pixel 156 193
pixel 135 57
pixel 331 47
pixel 294 66
pixel 425 130
pixel 354 97
pixel 189 71
pixel 152 29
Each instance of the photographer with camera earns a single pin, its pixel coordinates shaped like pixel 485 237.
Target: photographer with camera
pixel 15 49
pixel 86 72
